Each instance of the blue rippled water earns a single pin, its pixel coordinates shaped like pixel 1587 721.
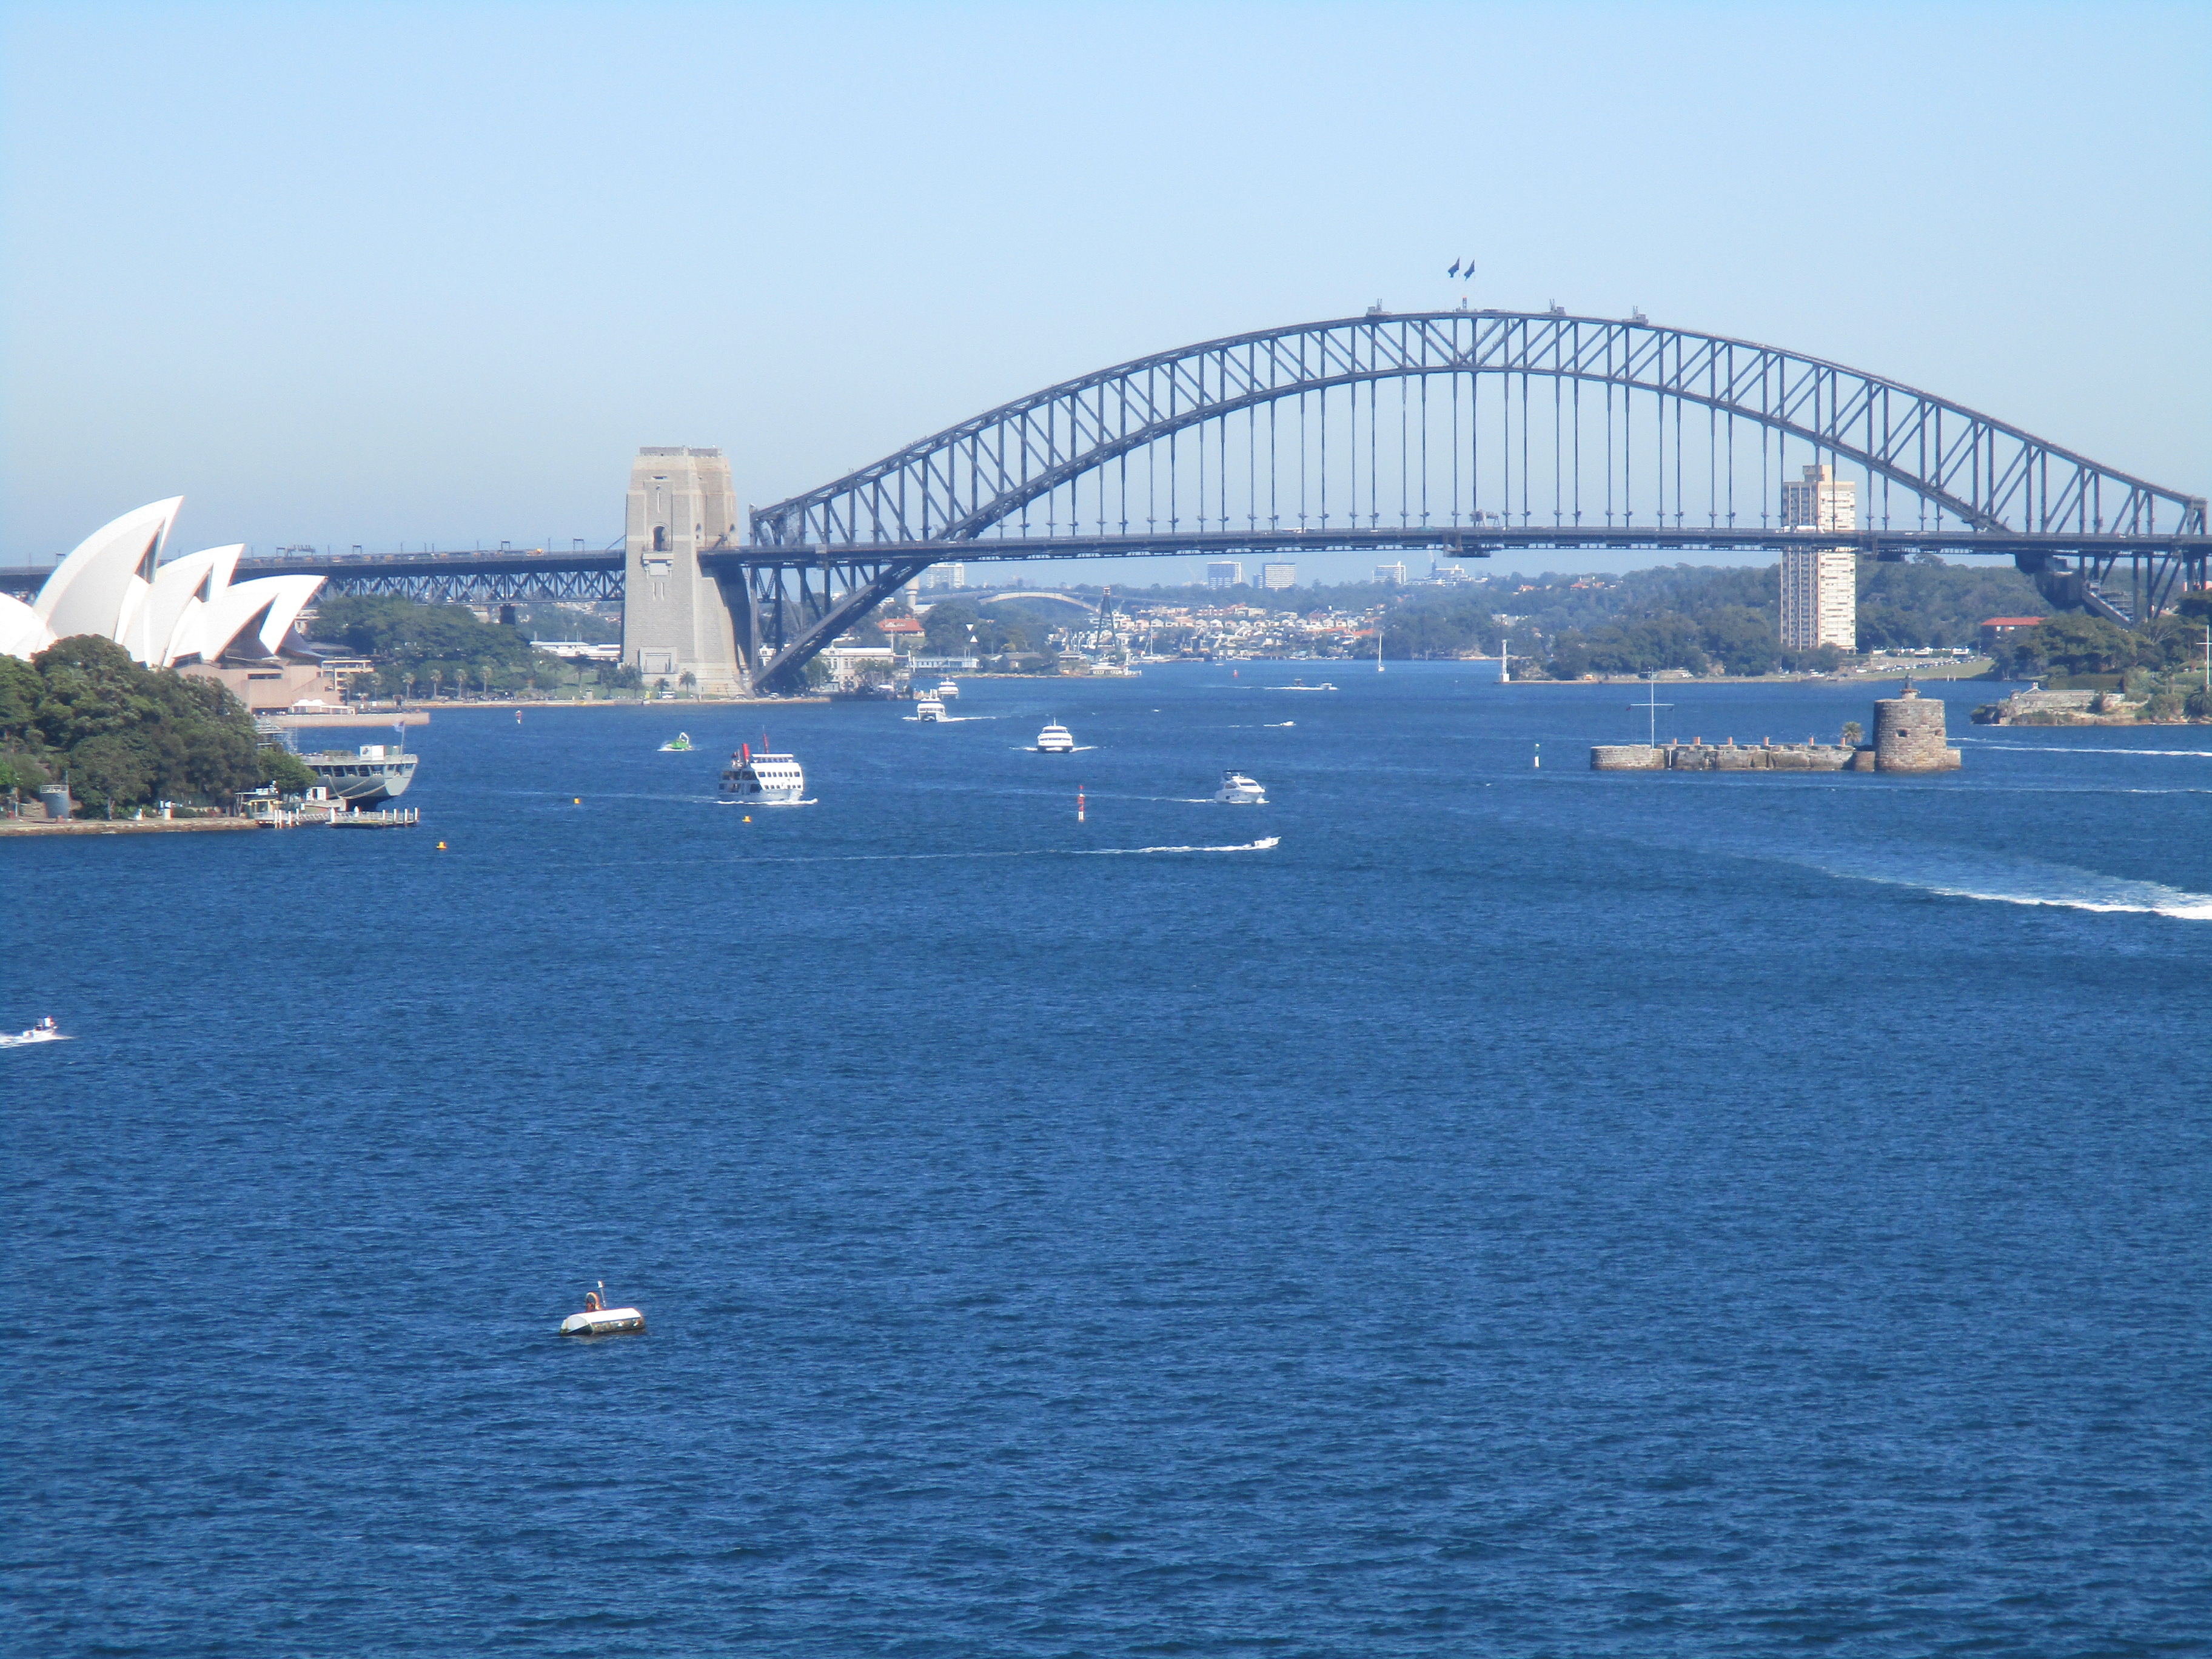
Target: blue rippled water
pixel 1523 1212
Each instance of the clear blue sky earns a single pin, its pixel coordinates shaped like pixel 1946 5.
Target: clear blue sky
pixel 388 273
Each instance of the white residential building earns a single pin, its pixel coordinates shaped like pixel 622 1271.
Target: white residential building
pixel 1822 502
pixel 1820 585
pixel 1276 573
pixel 1225 573
pixel 1392 574
pixel 1820 599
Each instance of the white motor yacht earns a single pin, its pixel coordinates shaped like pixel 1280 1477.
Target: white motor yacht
pixel 1238 790
pixel 1056 739
pixel 600 1319
pixel 928 707
pixel 764 780
pixel 947 689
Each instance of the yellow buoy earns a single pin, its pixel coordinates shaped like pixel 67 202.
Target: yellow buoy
pixel 579 801
pixel 441 847
pixel 749 818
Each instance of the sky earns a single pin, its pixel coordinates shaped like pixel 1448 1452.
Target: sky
pixel 393 274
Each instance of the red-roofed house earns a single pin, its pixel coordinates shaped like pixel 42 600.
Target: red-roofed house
pixel 1995 628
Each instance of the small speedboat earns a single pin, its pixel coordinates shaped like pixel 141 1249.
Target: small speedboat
pixel 1056 739
pixel 1238 790
pixel 947 689
pixel 600 1319
pixel 679 744
pixel 45 1031
pixel 928 708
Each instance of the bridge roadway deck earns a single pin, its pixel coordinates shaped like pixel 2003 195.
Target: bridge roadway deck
pixel 495 577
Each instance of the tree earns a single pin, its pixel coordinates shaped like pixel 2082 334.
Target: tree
pixel 126 735
pixel 687 679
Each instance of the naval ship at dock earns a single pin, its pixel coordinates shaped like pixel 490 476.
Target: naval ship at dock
pixel 367 776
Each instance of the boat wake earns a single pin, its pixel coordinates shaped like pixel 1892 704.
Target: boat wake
pixel 947 720
pixel 2057 749
pixel 1265 844
pixel 2024 881
pixel 28 1039
pixel 1260 846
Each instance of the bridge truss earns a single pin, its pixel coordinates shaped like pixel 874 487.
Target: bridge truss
pixel 1460 433
pixel 1467 433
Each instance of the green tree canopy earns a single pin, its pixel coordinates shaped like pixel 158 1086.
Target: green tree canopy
pixel 126 735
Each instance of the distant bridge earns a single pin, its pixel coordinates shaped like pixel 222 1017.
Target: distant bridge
pixel 1458 434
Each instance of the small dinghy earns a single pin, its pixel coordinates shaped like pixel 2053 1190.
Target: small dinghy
pixel 600 1319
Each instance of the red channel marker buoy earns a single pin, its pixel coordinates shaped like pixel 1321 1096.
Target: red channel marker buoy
pixel 1078 803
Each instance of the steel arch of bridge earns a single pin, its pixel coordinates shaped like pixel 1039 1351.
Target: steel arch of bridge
pixel 960 483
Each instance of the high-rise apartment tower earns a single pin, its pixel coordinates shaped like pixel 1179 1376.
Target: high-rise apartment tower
pixel 1820 585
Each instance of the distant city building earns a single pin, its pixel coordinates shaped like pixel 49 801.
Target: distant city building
pixel 1821 501
pixel 959 575
pixel 1820 585
pixel 1392 574
pixel 1446 573
pixel 1278 574
pixel 1820 599
pixel 1225 573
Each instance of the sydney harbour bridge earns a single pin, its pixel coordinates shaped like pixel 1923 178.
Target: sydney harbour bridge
pixel 1463 434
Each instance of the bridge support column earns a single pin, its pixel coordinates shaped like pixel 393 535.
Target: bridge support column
pixel 675 618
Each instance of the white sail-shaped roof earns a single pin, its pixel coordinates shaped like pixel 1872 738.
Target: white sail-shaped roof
pixel 276 600
pixel 113 584
pixel 102 586
pixel 23 631
pixel 183 590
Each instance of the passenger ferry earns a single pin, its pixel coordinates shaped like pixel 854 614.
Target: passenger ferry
pixel 1238 790
pixel 928 707
pixel 1056 739
pixel 764 780
pixel 947 689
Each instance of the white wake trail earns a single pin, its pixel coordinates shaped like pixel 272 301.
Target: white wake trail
pixel 2026 882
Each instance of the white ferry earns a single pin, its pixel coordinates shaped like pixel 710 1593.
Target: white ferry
pixel 1238 790
pixel 947 689
pixel 1056 739
pixel 764 780
pixel 928 707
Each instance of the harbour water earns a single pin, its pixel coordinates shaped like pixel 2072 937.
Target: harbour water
pixel 1524 1210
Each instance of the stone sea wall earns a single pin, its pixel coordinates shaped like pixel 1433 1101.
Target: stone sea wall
pixel 1908 737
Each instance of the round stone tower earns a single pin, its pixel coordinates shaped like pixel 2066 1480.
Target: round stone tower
pixel 1908 734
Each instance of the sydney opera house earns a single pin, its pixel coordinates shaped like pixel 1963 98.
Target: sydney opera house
pixel 185 611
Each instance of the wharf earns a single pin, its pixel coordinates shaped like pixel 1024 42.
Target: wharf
pixel 289 721
pixel 119 826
